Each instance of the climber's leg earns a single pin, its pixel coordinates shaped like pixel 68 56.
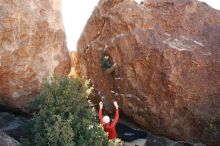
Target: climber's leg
pixel 111 81
pixel 116 71
pixel 110 70
pixel 114 79
pixel 117 80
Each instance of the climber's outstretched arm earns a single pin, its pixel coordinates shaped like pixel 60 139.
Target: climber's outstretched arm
pixel 116 114
pixel 100 112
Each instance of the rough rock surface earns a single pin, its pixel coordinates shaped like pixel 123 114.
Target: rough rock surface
pixel 169 56
pixel 74 64
pixel 32 47
pixel 6 140
pixel 12 124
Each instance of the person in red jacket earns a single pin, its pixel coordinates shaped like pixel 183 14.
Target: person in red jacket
pixel 108 126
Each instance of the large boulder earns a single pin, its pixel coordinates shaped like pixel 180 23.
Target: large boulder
pixel 33 47
pixel 169 58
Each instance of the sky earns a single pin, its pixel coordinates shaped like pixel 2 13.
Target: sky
pixel 77 12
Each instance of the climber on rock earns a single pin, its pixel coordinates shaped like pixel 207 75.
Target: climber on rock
pixel 108 126
pixel 110 69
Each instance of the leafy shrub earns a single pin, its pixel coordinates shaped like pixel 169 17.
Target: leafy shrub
pixel 64 117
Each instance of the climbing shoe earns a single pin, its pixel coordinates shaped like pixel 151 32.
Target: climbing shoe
pixel 115 93
pixel 112 91
pixel 117 78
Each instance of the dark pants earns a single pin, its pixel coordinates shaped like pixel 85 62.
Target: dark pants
pixel 112 72
pixel 128 134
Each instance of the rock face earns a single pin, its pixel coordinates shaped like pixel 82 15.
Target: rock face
pixel 12 124
pixel 33 47
pixel 169 56
pixel 5 140
pixel 74 64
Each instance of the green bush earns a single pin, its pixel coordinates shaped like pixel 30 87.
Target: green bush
pixel 64 117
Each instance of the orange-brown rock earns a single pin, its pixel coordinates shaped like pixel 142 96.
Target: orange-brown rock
pixel 33 47
pixel 169 56
pixel 75 65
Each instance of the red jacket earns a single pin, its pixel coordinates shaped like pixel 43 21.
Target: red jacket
pixel 110 128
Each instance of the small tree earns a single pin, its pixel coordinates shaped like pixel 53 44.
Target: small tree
pixel 65 117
